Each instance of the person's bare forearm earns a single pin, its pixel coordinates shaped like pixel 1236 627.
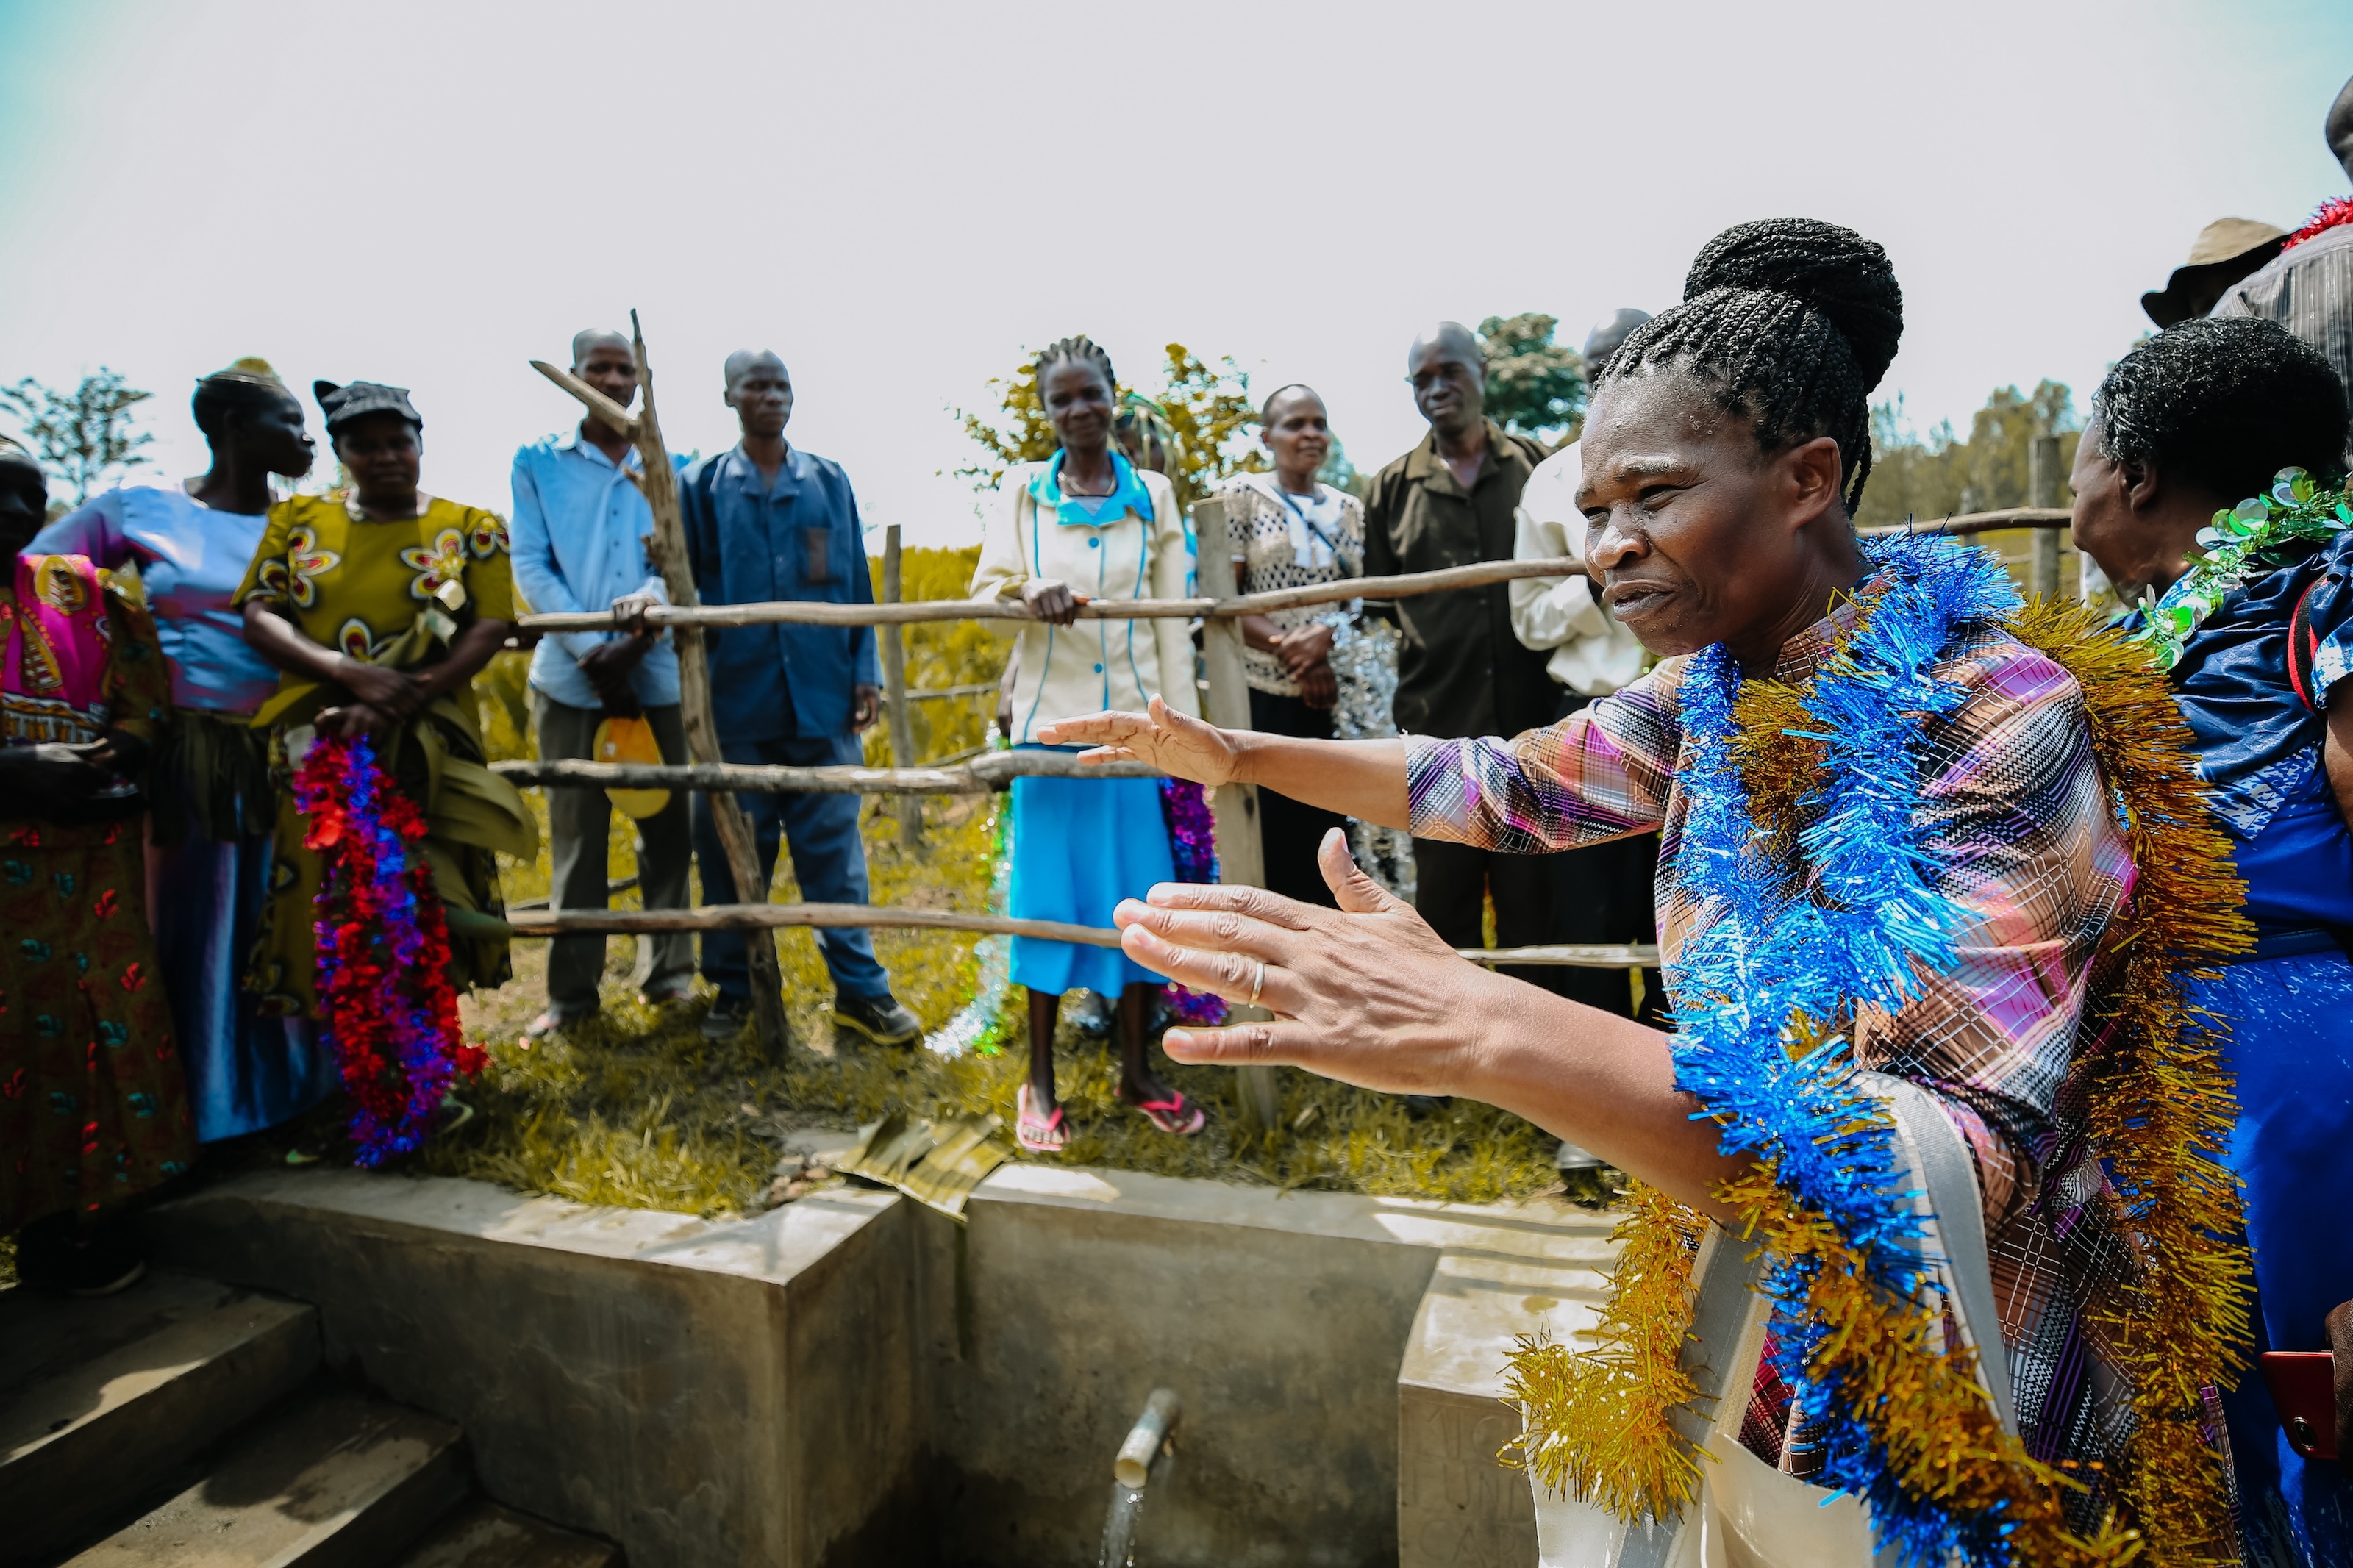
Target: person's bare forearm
pixel 475 647
pixel 1362 779
pixel 1260 632
pixel 281 643
pixel 1605 1083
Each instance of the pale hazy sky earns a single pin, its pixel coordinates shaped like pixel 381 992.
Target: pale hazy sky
pixel 899 198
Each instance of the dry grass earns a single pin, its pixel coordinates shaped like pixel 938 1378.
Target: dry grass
pixel 636 1108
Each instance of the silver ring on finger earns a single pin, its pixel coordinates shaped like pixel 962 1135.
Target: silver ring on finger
pixel 1258 982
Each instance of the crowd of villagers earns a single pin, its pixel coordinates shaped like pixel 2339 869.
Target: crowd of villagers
pixel 279 697
pixel 2082 886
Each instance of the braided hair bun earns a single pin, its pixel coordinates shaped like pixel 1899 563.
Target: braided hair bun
pixel 1792 322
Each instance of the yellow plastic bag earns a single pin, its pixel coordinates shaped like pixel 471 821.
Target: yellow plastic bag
pixel 631 741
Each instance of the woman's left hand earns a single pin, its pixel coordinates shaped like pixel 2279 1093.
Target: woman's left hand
pixel 1303 648
pixel 1367 994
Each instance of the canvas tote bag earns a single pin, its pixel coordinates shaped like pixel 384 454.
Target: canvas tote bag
pixel 1749 1514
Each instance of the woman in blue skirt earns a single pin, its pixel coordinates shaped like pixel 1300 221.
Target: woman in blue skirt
pixel 1087 525
pixel 2254 616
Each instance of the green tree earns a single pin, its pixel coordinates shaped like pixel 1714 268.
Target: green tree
pixel 83 436
pixel 1213 416
pixel 1341 474
pixel 1208 410
pixel 1535 386
pixel 1941 474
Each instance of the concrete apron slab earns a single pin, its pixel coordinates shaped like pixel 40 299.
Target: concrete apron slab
pixel 853 1379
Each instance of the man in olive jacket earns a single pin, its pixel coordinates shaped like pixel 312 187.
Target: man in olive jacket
pixel 1461 671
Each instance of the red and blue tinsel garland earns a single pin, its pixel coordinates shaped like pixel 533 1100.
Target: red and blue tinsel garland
pixel 383 986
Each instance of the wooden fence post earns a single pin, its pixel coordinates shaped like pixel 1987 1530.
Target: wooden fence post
pixel 2042 489
pixel 1240 858
pixel 907 808
pixel 667 546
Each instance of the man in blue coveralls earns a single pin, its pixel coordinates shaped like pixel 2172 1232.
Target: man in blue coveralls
pixel 766 521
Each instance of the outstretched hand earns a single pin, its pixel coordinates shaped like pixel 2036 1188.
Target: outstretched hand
pixel 1366 993
pixel 1176 743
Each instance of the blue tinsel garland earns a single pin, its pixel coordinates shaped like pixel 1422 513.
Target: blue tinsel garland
pixel 1767 950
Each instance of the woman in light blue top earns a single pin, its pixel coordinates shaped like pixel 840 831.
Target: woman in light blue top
pixel 208 856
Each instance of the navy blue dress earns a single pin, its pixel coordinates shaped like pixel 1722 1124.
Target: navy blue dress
pixel 2290 1010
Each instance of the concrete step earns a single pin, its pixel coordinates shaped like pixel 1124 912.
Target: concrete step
pixel 338 1479
pixel 481 1534
pixel 105 1403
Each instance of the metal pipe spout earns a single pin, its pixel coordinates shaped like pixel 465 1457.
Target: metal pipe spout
pixel 1150 1433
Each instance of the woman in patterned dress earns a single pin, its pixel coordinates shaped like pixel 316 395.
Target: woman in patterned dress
pixel 378 609
pixel 1290 530
pixel 93 1108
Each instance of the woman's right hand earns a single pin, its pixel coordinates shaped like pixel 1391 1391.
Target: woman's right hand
pixel 1176 743
pixel 395 691
pixel 1051 602
pixel 352 718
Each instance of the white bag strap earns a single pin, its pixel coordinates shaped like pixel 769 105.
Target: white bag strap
pixel 1728 1325
pixel 1948 1201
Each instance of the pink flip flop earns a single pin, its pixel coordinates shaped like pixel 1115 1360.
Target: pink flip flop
pixel 1038 1134
pixel 1180 1118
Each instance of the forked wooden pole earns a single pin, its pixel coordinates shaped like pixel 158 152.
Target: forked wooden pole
pixel 667 546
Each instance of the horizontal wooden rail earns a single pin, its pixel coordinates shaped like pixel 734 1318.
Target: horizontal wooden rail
pixel 835 917
pixel 773 917
pixel 1574 955
pixel 946 693
pixel 1478 574
pixel 978 776
pixel 1982 521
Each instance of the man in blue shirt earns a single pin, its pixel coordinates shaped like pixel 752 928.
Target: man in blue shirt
pixel 578 537
pixel 765 521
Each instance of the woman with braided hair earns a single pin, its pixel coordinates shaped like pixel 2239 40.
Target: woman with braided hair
pixel 213 809
pixel 1905 896
pixel 1087 525
pixel 2197 435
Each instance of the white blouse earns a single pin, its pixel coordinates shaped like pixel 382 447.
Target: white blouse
pixel 1067 671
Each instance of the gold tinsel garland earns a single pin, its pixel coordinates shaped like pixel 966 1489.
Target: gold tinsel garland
pixel 2162 1104
pixel 1598 1424
pixel 1605 1431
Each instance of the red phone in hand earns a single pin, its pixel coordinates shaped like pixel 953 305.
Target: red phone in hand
pixel 2303 1388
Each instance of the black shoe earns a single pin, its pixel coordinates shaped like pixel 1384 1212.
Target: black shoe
pixel 96 1260
pixel 881 1019
pixel 727 1017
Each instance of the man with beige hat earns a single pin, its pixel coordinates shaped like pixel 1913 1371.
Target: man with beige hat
pixel 2227 249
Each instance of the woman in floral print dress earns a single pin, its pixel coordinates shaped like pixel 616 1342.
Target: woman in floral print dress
pixel 93 1106
pixel 379 607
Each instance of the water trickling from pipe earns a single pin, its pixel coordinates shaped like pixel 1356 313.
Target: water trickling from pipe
pixel 1119 1527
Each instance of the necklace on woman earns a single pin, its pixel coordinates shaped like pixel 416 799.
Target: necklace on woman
pixel 1070 485
pixel 2242 543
